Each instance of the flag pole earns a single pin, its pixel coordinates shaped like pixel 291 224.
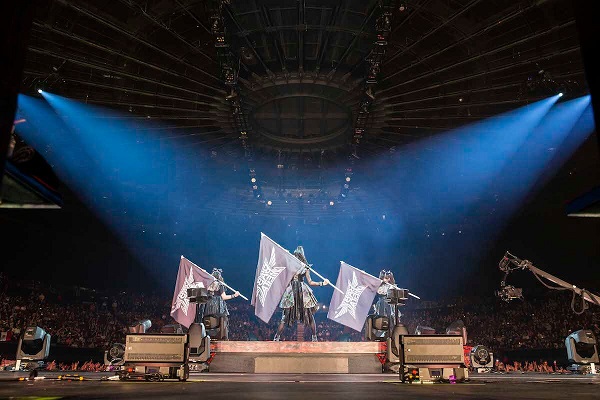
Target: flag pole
pixel 221 282
pixel 394 285
pixel 229 287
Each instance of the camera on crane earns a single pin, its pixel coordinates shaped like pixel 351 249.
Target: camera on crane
pixel 509 292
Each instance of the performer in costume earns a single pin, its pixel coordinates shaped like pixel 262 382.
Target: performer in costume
pixel 216 302
pixel 383 308
pixel 298 302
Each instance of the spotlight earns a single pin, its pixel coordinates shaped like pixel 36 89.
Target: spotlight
pixel 481 357
pixel 347 179
pixel 560 94
pixel 582 347
pixel 40 91
pixel 253 180
pixel 140 326
pixel 331 203
pixel 269 202
pixel 34 345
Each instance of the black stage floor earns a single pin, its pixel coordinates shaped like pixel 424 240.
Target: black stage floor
pixel 305 387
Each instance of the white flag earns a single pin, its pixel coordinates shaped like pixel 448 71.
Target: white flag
pixel 352 307
pixel 189 275
pixel 275 269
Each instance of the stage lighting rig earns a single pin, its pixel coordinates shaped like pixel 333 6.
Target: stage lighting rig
pixel 510 263
pixel 140 326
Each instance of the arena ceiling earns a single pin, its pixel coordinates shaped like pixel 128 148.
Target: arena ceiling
pixel 305 84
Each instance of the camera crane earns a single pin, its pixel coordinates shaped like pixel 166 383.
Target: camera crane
pixel 510 263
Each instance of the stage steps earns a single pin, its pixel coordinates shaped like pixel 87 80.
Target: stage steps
pixel 296 357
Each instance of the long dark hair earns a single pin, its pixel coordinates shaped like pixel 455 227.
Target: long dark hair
pixel 216 284
pixel 387 274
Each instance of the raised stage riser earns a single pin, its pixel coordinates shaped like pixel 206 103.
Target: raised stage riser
pixel 282 363
pixel 296 357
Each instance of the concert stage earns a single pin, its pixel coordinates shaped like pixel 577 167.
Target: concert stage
pixel 297 357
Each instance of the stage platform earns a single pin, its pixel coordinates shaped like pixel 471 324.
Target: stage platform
pixel 297 357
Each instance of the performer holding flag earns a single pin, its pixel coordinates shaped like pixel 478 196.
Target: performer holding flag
pixel 299 304
pixel 280 280
pixel 352 307
pixel 216 305
pixel 382 307
pixel 192 276
pixel 275 269
pixel 189 276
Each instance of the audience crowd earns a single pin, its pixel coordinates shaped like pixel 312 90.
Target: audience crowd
pixel 81 317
